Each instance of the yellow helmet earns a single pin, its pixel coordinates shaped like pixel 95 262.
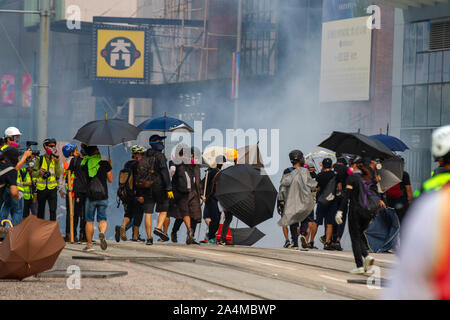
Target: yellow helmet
pixel 137 149
pixel 232 154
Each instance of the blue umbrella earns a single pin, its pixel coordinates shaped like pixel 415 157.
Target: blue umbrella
pixel 164 124
pixel 391 142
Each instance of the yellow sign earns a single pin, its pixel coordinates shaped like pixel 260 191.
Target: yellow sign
pixel 120 53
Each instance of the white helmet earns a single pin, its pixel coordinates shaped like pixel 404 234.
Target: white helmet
pixel 12 131
pixel 440 141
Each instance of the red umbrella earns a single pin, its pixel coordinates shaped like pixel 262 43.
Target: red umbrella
pixel 30 248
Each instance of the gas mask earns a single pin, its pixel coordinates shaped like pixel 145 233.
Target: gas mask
pixel 157 146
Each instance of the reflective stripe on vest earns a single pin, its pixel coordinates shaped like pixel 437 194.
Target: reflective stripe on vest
pixel 19 181
pixel 4 147
pixel 434 184
pixel 27 191
pixel 51 183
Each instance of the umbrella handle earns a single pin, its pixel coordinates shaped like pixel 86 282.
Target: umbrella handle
pixel 7 221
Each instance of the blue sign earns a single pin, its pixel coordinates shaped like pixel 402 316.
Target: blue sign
pixel 344 9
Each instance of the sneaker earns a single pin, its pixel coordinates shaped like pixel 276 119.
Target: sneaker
pixel 327 246
pixel 173 237
pixel 294 246
pixel 323 239
pixel 304 243
pixel 123 233
pixel 67 238
pixel 337 246
pixel 311 246
pixel 139 239
pixel 287 244
pixel 222 243
pixel 117 233
pixel 149 242
pixel 161 234
pixel 212 241
pixel 368 262
pixel 190 237
pixel 88 248
pixel 195 242
pixel 357 271
pixel 103 243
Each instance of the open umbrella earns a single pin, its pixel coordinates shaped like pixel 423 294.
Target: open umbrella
pixel 107 132
pixel 246 236
pixel 164 124
pixel 391 173
pixel 356 143
pixel 211 153
pixel 383 231
pixel 247 193
pixel 30 248
pixel 250 155
pixel 393 143
pixel 318 156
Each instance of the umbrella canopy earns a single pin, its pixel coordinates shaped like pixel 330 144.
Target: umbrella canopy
pixel 318 156
pixel 30 248
pixel 391 173
pixel 393 143
pixel 247 193
pixel 211 153
pixel 107 132
pixel 164 124
pixel 250 155
pixel 246 236
pixel 356 143
pixel 383 231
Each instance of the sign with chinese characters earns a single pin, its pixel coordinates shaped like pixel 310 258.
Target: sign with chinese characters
pixel 120 53
pixel 346 60
pixel 27 82
pixel 7 89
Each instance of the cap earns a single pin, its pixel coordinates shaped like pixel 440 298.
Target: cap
pixel 327 162
pixel 156 138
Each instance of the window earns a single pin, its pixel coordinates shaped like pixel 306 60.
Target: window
pixel 420 106
pixel 446 67
pixel 423 36
pixel 445 105
pixel 435 70
pixel 422 68
pixel 434 105
pixel 409 55
pixel 408 107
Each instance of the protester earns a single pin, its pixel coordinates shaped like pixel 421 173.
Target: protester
pixel 47 171
pixel 341 169
pixel 9 193
pixel 307 225
pixel 66 185
pixel 153 178
pixel 400 196
pixel 98 173
pixel 359 216
pixel 325 212
pixel 134 211
pixel 298 196
pixel 231 157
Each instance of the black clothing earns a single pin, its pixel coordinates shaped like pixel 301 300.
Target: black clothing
pixel 211 182
pixel 162 176
pixel 322 180
pixel 341 173
pixel 7 179
pixel 29 206
pixel 52 197
pixel 357 224
pixel 80 181
pixel 135 212
pixel 212 211
pixel 294 233
pixel 78 215
pixel 226 226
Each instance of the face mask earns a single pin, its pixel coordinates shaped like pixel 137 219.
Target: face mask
pixel 49 151
pixel 14 144
pixel 159 146
pixel 192 161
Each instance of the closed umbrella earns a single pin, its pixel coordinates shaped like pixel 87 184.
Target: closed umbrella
pixel 247 193
pixel 30 248
pixel 356 143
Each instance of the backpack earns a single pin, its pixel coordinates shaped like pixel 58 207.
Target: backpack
pixel 182 181
pixel 145 174
pixel 126 185
pixel 329 193
pixel 368 200
pixel 395 192
pixel 96 190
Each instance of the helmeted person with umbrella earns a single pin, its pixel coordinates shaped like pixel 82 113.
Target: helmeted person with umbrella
pixel 98 173
pixel 47 171
pixel 154 180
pixel 295 198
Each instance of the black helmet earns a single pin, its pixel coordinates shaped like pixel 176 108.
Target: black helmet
pixel 296 156
pixel 48 141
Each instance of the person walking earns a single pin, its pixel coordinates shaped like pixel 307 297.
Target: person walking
pixel 154 180
pixel 98 173
pixel 360 185
pixel 134 212
pixel 341 169
pixel 47 171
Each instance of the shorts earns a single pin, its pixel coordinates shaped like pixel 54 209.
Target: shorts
pixel 134 211
pixel 326 213
pixel 309 218
pixel 156 196
pixel 93 206
pixel 188 204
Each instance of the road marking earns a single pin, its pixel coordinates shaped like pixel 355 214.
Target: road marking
pixel 348 256
pixel 204 252
pixel 331 278
pixel 270 264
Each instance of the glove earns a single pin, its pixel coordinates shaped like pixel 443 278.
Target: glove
pixel 339 217
pixel 170 194
pixel 280 207
pixel 20 195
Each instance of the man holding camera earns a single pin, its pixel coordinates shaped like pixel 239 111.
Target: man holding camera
pixel 47 171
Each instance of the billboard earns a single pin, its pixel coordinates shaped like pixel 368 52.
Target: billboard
pixel 345 60
pixel 7 89
pixel 120 53
pixel 27 82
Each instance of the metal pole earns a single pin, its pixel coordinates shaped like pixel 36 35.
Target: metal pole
pixel 42 108
pixel 238 50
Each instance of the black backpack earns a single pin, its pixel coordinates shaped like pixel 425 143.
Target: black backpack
pixel 328 194
pixel 145 174
pixel 182 181
pixel 96 190
pixel 125 192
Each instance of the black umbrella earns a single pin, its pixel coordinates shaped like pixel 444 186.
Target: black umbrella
pixel 247 193
pixel 246 236
pixel 391 173
pixel 356 143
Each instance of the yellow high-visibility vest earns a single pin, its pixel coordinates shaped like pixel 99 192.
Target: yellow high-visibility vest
pixel 50 183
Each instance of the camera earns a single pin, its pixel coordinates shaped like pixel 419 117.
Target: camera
pixel 46 175
pixel 36 153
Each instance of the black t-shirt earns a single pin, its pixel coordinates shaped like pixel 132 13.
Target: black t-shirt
pixel 8 179
pixel 341 173
pixel 80 182
pixel 322 180
pixel 105 167
pixel 163 177
pixel 406 180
